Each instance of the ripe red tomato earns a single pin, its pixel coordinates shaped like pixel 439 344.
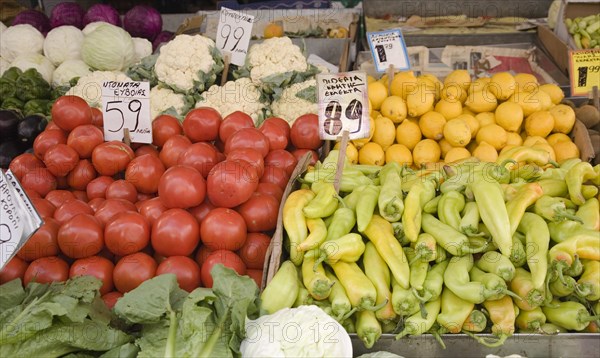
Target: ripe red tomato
pixel 146 149
pixel 80 195
pixel 275 175
pixel 182 187
pixel 230 183
pixel 47 139
pixel 39 180
pixel 305 132
pixel 300 153
pixel 144 172
pixel 80 237
pixel 175 233
pixel 201 254
pixel 15 268
pixel 61 183
pixel 163 128
pixel 282 123
pixel 23 163
pixel 46 270
pixel 202 124
pixel 172 149
pixel 151 209
pixel 132 270
pixel 201 156
pixel 251 156
pixel 260 212
pixel 111 207
pixel 283 159
pixel 121 189
pixel 95 203
pixel 223 229
pixel 31 194
pixel 275 133
pixel 256 275
pixel 232 123
pixel 270 189
pixel 97 118
pixel 60 159
pixel 185 269
pixel 96 266
pixel 110 299
pixel 112 157
pixel 70 209
pixel 126 233
pixel 44 207
pixel 58 197
pixel 251 138
pixel 254 250
pixel 200 211
pixel 84 139
pixel 81 175
pixel 97 187
pixel 69 112
pixel 52 126
pixel 225 257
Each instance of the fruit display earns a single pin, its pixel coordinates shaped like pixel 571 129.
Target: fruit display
pixel 585 31
pixel 590 117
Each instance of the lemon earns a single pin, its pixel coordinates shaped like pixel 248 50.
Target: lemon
pixel 509 115
pixel 371 79
pixel 453 92
pixel 456 154
pixel 485 118
pixel 371 154
pixel 529 102
pixel 385 132
pixel 408 134
pixel 426 151
pixel 554 91
pixel 432 86
pixel 539 123
pixel 564 118
pixel 465 110
pixel 533 140
pixel 449 108
pixel 432 125
pixel 472 145
pixel 506 148
pixel 493 134
pixel 502 85
pixel 370 106
pixel 420 101
pixel 445 147
pixel 273 30
pixel 545 100
pixel 480 84
pixel 526 82
pixel 384 80
pixel 557 137
pixel 513 138
pixel 565 150
pixel 394 108
pixel 485 152
pixel 403 83
pixel 471 122
pixel 481 101
pixel 377 94
pixel 398 153
pixel 375 114
pixel 460 77
pixel 457 132
pixel 547 147
pixel 358 143
pixel 438 85
pixel 351 152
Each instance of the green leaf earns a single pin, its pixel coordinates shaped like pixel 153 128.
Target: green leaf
pixel 153 340
pixel 127 350
pixel 308 94
pixel 11 294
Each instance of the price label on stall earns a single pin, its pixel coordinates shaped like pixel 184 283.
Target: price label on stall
pixel 343 105
pixel 585 71
pixel 127 105
pixel 233 34
pixel 388 49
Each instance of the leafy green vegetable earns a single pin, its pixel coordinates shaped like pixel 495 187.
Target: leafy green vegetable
pixel 31 85
pixel 144 70
pixel 309 94
pixel 11 294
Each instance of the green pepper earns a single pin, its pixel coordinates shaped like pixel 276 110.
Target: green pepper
pixel 469 223
pixel 368 328
pixel 418 269
pixel 523 286
pixel 440 254
pixel 352 199
pixel 404 302
pixel 399 233
pixel 563 288
pixel 570 315
pixel 348 248
pixel 454 311
pixel 390 202
pixel 12 103
pixel 36 106
pixel 575 269
pixel 422 192
pixel 425 248
pixel 314 278
pixel 457 279
pixel 417 324
pixel 554 208
pixel 496 263
pixel 340 303
pixel 431 207
pixel 294 221
pixel 378 272
pixel 537 238
pixel 492 282
pixel 8 89
pixel 31 85
pixel 563 230
pixel 476 322
pixel 449 209
pixel 348 182
pixel 531 320
pixel 342 222
pixel 554 187
pixel 453 241
pixel 304 298
pixel 526 196
pixel 576 176
pixel 589 213
pixel 324 203
pixel 348 325
pixel 527 172
pixel 434 282
pixel 318 233
pixel 518 255
pixel 12 74
pixel 588 285
pixel 366 206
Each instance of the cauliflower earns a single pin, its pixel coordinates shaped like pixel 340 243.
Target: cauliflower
pixel 68 70
pixel 240 95
pixel 37 61
pixel 20 40
pixel 89 87
pixel 142 47
pixel 188 63
pixel 63 43
pixel 164 100
pixel 296 100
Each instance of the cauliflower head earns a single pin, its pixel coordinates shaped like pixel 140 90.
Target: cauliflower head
pixel 20 40
pixel 188 63
pixel 274 56
pixel 89 87
pixel 296 100
pixel 239 95
pixel 63 43
pixel 68 70
pixel 142 47
pixel 164 100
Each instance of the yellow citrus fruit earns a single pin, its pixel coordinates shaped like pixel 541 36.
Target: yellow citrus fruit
pixel 480 84
pixel 509 115
pixel 403 83
pixel 533 140
pixel 547 147
pixel 377 94
pixel 502 85
pixel 485 152
pixel 460 77
pixel 526 82
pixel 273 30
pixel 456 154
pixel 513 138
pixel 449 109
pixel 432 86
pixel 432 125
pixel 453 92
pixel 457 132
pixel 394 108
pixel 371 154
pixel 528 101
pixel 481 101
pixel 426 151
pixel 375 114
pixel 554 91
pixel 358 143
pixel 545 100
pixel 421 100
pixel 539 123
pixel 398 153
pixel 465 110
pixel 493 134
pixel 557 137
pixel 472 145
pixel 445 147
pixel 565 150
pixel 564 118
pixel 351 152
pixel 408 134
pixel 370 79
pixel 485 118
pixel 437 84
pixel 385 132
pixel 472 122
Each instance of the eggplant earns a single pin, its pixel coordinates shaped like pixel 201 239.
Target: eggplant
pixel 8 151
pixel 9 122
pixel 30 127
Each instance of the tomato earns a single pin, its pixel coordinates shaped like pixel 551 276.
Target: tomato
pixel 112 157
pixel 163 128
pixel 127 233
pixel 111 207
pixel 96 266
pixel 95 203
pixel 31 193
pixel 234 122
pixel 175 233
pixel 97 119
pixel 69 112
pixel 61 183
pixel 202 124
pixel 142 197
pixel 270 189
pixel 23 163
pixel 44 207
pixel 81 236
pixel 300 153
pixel 185 269
pixel 96 188
pixel 248 138
pixel 260 212
pixel 305 132
pixel 283 159
pixel 200 156
pixel 275 133
pixel 47 270
pixel 225 257
pixel 144 172
pixel 47 139
pixel 223 229
pixel 110 299
pixel 81 175
pixel 146 149
pixel 151 209
pixel 251 156
pixel 71 208
pixel 200 211
pixel 132 270
pixel 39 180
pixel 84 139
pixel 58 197
pixel 275 175
pixel 174 146
pixel 254 250
pixel 230 183
pixel 52 126
pixel 181 187
pixel 201 254
pixel 121 189
pixel 80 195
pixel 282 123
pixel 15 268
pixel 256 275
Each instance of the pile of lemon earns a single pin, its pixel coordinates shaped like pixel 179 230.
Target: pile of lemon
pixel 417 120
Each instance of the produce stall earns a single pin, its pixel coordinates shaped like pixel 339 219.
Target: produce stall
pixel 161 198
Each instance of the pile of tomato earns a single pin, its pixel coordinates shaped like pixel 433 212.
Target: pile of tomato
pixel 206 191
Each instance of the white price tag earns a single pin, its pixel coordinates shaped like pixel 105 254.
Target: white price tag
pixel 127 105
pixel 343 105
pixel 233 34
pixel 388 49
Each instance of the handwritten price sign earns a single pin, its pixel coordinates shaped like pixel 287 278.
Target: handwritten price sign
pixel 585 71
pixel 233 34
pixel 127 105
pixel 388 49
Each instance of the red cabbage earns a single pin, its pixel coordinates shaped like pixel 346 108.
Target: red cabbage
pixel 102 12
pixel 67 13
pixel 163 36
pixel 143 21
pixel 35 18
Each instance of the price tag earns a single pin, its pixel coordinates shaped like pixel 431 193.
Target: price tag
pixel 127 105
pixel 584 70
pixel 18 217
pixel 233 34
pixel 343 105
pixel 388 49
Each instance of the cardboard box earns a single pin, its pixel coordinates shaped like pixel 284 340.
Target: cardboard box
pixel 556 48
pixel 571 10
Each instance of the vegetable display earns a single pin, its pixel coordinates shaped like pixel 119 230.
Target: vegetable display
pixel 585 31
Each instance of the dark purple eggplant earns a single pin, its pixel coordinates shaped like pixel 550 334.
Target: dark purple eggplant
pixel 9 121
pixel 8 151
pixel 30 127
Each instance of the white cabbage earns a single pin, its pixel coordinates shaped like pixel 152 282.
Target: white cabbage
pixel 69 70
pixel 63 43
pixel 2 27
pixel 108 48
pixel 142 47
pixel 37 61
pixel 92 26
pixel 4 65
pixel 20 40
